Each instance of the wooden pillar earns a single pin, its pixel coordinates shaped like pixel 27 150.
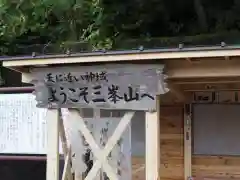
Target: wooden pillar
pixel 52 119
pixel 152 135
pixel 187 141
pixel 66 150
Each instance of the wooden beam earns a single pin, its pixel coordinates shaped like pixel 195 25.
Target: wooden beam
pixel 19 69
pixel 177 70
pixel 227 58
pixel 211 87
pixel 16 89
pixel 127 56
pixel 26 77
pixel 152 131
pixel 211 90
pixel 209 80
pixel 187 142
pixel 189 60
pixel 195 81
pixel 178 93
pixel 52 144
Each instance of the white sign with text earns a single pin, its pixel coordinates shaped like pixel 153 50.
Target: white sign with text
pixel 22 125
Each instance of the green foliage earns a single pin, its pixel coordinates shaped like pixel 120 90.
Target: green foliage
pixel 107 23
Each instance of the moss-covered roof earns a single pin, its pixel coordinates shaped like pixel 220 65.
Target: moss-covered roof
pixel 164 43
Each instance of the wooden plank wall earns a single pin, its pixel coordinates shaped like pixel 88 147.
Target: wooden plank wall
pixel 219 167
pixel 172 164
pixel 171 146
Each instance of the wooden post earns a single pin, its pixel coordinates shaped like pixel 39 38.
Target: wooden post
pixel 66 149
pixel 153 143
pixel 52 119
pixel 187 142
pixel 67 166
pixel 97 116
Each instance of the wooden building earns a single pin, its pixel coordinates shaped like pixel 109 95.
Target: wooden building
pixel 198 116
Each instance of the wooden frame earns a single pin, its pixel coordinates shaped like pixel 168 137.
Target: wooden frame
pixel 101 155
pixel 219 66
pixel 54 120
pixel 152 145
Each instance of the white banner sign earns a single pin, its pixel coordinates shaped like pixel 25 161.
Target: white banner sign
pixel 108 87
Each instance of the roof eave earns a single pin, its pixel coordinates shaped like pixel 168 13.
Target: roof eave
pixel 120 56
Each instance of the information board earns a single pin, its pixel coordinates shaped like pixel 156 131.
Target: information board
pixel 22 125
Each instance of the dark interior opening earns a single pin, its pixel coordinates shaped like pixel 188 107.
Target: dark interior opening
pixel 25 169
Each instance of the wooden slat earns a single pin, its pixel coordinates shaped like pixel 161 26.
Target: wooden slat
pixel 22 158
pixel 187 142
pixel 66 175
pixel 152 130
pixel 52 144
pixel 65 148
pixel 16 89
pixel 217 160
pixel 216 166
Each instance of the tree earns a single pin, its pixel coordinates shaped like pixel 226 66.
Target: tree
pixel 202 20
pixel 48 21
pixel 107 24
